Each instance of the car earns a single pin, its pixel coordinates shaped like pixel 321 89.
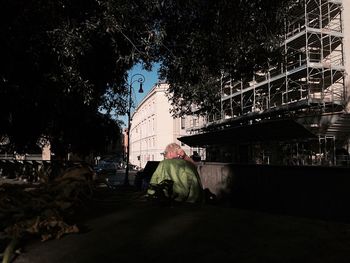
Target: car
pixel 106 167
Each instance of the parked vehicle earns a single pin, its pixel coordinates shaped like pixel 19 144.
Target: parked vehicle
pixel 106 167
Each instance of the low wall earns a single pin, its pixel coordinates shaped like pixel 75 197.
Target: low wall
pixel 311 191
pixel 216 177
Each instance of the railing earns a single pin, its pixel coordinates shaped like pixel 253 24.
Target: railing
pixel 29 157
pixel 34 170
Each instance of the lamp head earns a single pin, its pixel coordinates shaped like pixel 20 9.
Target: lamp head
pixel 140 90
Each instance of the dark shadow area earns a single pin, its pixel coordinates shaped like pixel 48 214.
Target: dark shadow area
pixel 308 191
pixel 133 231
pixel 119 225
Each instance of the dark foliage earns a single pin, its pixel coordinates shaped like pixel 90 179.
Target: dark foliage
pixel 202 39
pixel 62 62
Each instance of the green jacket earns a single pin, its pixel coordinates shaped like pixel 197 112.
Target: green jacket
pixel 186 185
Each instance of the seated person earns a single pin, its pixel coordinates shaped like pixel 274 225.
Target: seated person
pixel 177 177
pixel 196 157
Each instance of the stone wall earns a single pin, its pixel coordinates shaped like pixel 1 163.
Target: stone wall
pixel 312 191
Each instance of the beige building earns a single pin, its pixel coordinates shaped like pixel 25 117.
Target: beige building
pixel 153 127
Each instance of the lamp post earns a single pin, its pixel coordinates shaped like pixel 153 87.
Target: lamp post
pixel 140 79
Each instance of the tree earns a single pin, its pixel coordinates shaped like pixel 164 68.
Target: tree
pixel 64 62
pixel 59 59
pixel 201 39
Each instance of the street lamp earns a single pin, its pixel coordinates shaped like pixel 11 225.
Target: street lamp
pixel 140 79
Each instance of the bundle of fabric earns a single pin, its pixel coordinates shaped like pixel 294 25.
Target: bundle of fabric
pixel 176 179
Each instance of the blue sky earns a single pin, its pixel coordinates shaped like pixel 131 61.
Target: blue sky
pixel 151 78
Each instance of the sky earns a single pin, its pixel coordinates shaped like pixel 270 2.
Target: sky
pixel 151 78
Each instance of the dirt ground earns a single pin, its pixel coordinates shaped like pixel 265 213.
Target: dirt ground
pixel 121 226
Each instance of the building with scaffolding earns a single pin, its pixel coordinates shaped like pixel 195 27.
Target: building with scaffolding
pixel 297 112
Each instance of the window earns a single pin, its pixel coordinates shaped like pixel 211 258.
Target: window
pixel 183 123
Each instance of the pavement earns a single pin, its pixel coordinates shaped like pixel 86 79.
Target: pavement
pixel 120 225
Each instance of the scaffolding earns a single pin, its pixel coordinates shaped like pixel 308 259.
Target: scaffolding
pixel 311 75
pixel 308 82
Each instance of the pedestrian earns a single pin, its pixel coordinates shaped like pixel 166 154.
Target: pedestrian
pixel 196 157
pixel 174 151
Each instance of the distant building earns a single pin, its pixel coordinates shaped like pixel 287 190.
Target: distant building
pixel 153 127
pixel 46 152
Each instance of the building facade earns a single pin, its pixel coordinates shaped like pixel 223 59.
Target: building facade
pixel 296 112
pixel 153 127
